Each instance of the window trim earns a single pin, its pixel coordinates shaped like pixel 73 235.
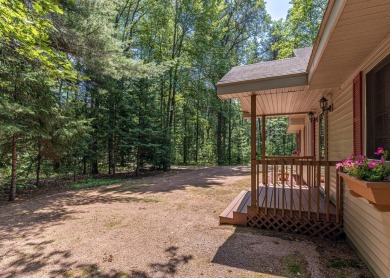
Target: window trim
pixel 385 60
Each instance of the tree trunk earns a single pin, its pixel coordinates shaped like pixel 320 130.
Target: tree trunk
pixel 94 167
pixel 74 170
pixel 94 161
pixel 173 97
pixel 12 194
pixel 122 157
pixel 95 107
pixel 39 160
pixel 84 165
pixel 110 148
pixel 114 154
pixel 60 92
pixel 219 139
pixel 230 134
pixel 185 138
pixel 162 103
pixel 197 133
pixel 138 162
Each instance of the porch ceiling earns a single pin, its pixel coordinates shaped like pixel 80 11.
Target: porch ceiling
pixel 358 28
pixel 281 102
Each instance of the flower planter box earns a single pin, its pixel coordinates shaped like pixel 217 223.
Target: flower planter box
pixel 377 193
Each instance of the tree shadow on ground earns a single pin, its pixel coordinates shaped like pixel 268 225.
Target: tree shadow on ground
pixel 269 252
pixel 170 267
pixel 29 218
pixel 61 264
pixel 23 222
pixel 245 249
pixel 159 269
pixel 203 177
pixel 27 263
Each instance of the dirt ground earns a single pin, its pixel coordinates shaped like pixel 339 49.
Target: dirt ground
pixel 160 226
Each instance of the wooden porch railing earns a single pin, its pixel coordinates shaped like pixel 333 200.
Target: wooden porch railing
pixel 299 186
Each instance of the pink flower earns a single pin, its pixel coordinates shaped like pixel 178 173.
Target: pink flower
pixel 379 151
pixel 360 166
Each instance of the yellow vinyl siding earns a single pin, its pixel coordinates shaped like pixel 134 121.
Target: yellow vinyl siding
pixel 369 235
pixel 367 228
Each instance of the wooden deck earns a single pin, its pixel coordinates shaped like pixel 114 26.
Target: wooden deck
pixel 310 198
pixel 300 209
pixel 296 196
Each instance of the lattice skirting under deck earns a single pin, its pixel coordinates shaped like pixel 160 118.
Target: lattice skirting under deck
pixel 295 223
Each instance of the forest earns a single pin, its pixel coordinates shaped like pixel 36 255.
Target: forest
pixel 90 87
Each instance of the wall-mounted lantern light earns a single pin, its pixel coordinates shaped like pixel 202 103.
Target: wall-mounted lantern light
pixel 324 105
pixel 311 117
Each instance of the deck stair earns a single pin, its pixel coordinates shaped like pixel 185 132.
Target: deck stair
pixel 236 212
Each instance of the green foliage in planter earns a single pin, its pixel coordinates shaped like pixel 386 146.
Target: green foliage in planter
pixel 370 170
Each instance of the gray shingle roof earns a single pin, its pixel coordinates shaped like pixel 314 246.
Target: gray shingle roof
pixel 271 69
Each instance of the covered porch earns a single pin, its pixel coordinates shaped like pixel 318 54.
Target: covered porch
pixel 300 193
pixel 295 196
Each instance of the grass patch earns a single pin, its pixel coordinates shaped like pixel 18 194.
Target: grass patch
pixel 93 183
pixel 26 186
pixel 142 200
pixel 113 224
pixel 295 266
pixel 242 183
pixel 127 185
pixel 339 263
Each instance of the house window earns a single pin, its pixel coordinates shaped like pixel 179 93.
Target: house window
pixel 378 107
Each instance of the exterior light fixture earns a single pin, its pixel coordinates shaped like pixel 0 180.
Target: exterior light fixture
pixel 324 105
pixel 311 117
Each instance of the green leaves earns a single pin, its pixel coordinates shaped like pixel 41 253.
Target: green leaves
pixel 300 28
pixel 26 31
pixel 97 83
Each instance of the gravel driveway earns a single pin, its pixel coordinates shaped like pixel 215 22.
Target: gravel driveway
pixel 161 226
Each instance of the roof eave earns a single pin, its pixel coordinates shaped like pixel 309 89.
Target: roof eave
pixel 331 16
pixel 300 79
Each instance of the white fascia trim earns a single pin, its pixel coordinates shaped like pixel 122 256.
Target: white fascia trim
pixel 260 85
pixel 334 16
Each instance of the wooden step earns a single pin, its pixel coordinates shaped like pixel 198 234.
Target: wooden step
pixel 235 213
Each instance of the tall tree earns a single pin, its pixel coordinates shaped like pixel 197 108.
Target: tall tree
pixel 26 49
pixel 106 86
pixel 300 28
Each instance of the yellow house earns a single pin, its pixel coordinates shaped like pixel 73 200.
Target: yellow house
pixel 337 96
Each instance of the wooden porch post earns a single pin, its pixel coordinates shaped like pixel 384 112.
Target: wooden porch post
pixel 253 151
pixel 264 172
